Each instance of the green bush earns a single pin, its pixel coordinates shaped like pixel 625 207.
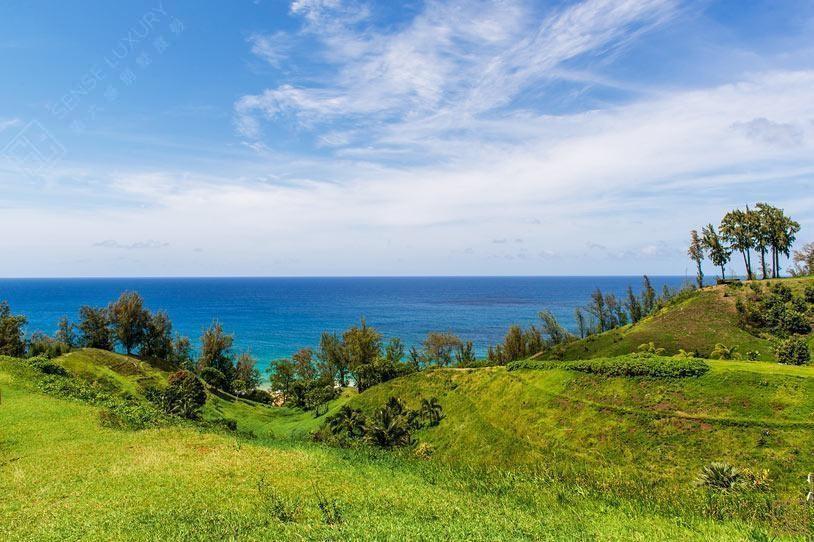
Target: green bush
pixel 185 395
pixel 793 351
pixel 47 366
pixel 215 378
pixel 631 365
pixel 809 294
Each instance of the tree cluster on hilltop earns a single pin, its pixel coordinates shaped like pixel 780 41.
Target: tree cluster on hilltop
pixel 766 230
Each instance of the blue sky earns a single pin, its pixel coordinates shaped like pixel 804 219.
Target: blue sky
pixel 343 137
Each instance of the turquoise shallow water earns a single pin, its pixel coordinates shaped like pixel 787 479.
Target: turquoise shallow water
pixel 273 317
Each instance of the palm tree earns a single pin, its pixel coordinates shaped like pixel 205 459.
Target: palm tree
pixel 390 426
pixel 431 411
pixel 350 421
pixel 721 351
pixel 719 254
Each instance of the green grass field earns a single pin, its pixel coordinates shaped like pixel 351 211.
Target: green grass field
pixel 526 454
pixel 64 477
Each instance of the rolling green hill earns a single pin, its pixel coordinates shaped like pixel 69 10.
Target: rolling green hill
pixel 66 477
pixel 541 452
pixel 694 324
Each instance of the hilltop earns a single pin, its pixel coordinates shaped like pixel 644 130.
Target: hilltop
pixel 694 323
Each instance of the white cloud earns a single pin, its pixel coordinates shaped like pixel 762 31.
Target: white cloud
pixel 273 48
pixel 8 123
pixel 453 62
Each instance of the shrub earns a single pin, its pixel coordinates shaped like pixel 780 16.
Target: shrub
pixel 793 351
pixel 635 365
pixel 215 378
pixel 47 366
pixel 41 344
pixel 722 351
pixel 752 355
pixel 185 395
pixel 720 477
pixel 809 294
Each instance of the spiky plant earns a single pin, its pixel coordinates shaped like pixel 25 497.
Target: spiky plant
pixel 431 411
pixel 720 476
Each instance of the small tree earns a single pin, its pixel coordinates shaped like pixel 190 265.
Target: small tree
pixel 394 350
pixel 696 254
pixel 65 333
pixel 185 395
pixel 157 341
pixel 363 346
pixel 12 339
pixel 633 305
pixel 440 347
pixel 803 261
pixel 94 326
pixel 282 377
pixel 431 411
pixel 182 352
pixel 129 320
pixel 216 351
pixel 648 297
pixel 793 351
pixel 331 353
pixel 246 373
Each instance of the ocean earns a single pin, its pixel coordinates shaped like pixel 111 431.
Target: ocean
pixel 273 317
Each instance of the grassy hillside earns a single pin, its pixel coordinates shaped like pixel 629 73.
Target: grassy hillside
pixel 65 477
pixel 131 377
pixel 641 437
pixel 696 324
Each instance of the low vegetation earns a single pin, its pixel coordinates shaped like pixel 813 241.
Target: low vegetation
pixel 633 365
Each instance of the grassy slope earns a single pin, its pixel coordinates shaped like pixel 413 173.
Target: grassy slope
pixel 696 324
pixel 645 436
pixel 130 376
pixel 63 477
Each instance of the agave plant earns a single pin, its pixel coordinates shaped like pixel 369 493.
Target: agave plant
pixel 721 351
pixel 650 348
pixel 349 421
pixel 431 411
pixel 720 476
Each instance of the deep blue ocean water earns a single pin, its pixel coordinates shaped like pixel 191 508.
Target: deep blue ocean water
pixel 273 317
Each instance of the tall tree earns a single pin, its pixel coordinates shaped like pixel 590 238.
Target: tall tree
pixel 247 377
pixel 788 235
pixel 598 310
pixel 633 305
pixel 394 350
pixel 157 340
pixel 282 377
pixel 216 351
pixel 65 332
pixel 439 347
pixel 582 325
pixel 648 297
pixel 696 254
pixel 363 346
pixel 331 354
pixel 737 229
pixel 94 325
pixel 128 319
pixel 12 339
pixel 718 252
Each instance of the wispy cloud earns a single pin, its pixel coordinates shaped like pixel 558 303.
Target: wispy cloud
pixel 453 63
pixel 138 245
pixel 273 48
